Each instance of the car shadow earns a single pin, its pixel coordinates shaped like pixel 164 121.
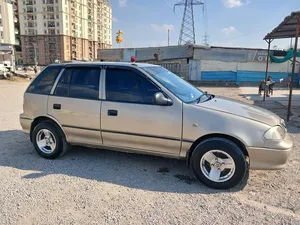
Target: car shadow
pixel 130 170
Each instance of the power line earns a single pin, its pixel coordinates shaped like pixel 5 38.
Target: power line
pixel 169 8
pixel 246 34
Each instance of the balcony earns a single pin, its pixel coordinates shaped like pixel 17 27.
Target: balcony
pixel 49 2
pixel 50 9
pixel 29 3
pixel 52 40
pixel 51 24
pixel 51 31
pixel 29 10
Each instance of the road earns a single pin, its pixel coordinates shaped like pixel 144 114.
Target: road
pixel 90 186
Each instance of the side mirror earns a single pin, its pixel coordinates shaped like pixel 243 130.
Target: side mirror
pixel 160 99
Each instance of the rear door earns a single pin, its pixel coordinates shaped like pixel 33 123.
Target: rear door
pixel 75 104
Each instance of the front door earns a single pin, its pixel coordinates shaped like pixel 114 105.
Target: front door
pixel 75 104
pixel 130 120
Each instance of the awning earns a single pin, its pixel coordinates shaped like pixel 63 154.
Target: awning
pixel 286 29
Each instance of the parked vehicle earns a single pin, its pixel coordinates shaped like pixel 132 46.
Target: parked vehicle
pixel 144 108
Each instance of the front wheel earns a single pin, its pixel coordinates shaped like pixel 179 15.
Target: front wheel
pixel 219 163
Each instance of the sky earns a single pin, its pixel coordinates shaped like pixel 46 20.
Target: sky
pixel 232 23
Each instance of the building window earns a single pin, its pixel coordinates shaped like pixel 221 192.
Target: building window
pixel 51 24
pixel 51 31
pixel 45 31
pixel 45 24
pixel 44 16
pixel 57 8
pixel 66 17
pixel 57 24
pixel 66 25
pixel 56 1
pixel 50 9
pixel 57 32
pixel 34 17
pixel 57 16
pixel 25 31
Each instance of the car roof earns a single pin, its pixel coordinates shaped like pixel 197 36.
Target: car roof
pixel 105 64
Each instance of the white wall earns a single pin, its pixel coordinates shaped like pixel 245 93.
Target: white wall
pixel 8 23
pixel 207 65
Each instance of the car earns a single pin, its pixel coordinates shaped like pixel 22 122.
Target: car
pixel 144 108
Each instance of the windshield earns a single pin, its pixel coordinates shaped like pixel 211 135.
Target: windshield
pixel 179 87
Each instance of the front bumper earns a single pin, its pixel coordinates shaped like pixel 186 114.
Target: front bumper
pixel 25 124
pixel 270 158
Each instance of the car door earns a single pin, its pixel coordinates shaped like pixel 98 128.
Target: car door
pixel 75 104
pixel 130 120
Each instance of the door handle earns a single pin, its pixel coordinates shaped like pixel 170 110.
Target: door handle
pixel 112 112
pixel 56 106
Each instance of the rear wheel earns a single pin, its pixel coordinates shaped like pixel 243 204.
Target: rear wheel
pixel 48 140
pixel 219 163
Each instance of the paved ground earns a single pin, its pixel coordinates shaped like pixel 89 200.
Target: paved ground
pixel 89 186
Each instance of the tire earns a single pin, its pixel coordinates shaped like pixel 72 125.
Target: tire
pixel 219 157
pixel 47 132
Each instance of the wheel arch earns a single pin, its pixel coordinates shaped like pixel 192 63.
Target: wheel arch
pixel 40 119
pixel 235 140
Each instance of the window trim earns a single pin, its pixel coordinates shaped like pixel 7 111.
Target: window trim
pixel 77 66
pixel 139 73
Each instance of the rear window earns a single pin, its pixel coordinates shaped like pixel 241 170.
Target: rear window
pixel 43 83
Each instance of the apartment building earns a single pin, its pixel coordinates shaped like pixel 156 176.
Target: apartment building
pixel 64 29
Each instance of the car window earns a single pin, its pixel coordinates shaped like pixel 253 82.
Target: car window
pixel 128 86
pixel 43 83
pixel 79 83
pixel 62 88
pixel 182 89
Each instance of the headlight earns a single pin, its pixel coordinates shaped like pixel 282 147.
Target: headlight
pixel 282 122
pixel 275 133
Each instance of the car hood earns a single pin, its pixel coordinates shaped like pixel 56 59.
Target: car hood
pixel 241 109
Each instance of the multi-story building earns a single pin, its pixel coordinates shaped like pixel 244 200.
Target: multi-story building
pixel 18 48
pixel 7 28
pixel 8 39
pixel 64 29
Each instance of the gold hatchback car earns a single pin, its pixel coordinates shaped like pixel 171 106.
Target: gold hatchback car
pixel 144 108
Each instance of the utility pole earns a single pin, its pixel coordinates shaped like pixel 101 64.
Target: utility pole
pixel 168 37
pixel 187 31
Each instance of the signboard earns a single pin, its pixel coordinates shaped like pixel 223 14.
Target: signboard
pixel 260 56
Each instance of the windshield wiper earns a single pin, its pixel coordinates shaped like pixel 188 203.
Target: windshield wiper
pixel 199 99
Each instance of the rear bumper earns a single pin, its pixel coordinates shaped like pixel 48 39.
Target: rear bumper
pixel 270 158
pixel 25 124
